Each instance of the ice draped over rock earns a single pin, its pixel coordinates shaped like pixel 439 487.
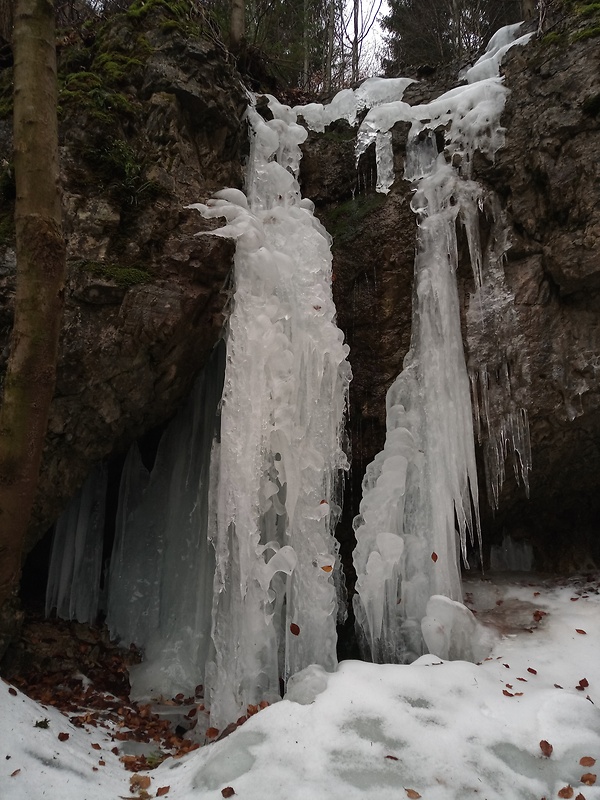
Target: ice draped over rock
pixel 225 569
pixel 420 495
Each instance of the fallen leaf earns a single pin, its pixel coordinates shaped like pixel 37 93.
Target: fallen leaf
pixel 434 558
pixel 294 629
pixel 532 670
pixel 579 630
pixel 15 773
pixel 101 763
pixel 580 796
pixel 62 737
pixel 546 748
pixel 566 791
pixel 557 686
pixel 412 794
pixel 139 782
pixel 96 746
pixel 506 665
pixel 583 684
pixel 212 732
pixel 228 791
pixel 392 758
pixel 12 691
pixel 587 761
pixel 162 790
pixel 522 679
pixel 507 694
pixel 588 778
pixel 327 568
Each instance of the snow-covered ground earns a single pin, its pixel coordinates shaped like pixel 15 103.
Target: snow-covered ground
pixel 522 724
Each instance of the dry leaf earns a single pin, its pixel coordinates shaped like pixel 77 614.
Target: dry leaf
pixel 566 791
pixel 507 694
pixel 546 748
pixel 96 746
pixel 589 779
pixel 228 791
pixel 579 630
pixel 12 691
pixel 392 758
pixel 580 796
pixel 294 629
pixel 212 733
pixel 532 670
pixel 434 558
pixel 15 773
pixel 62 737
pixel 412 794
pixel 587 761
pixel 137 782
pixel 327 568
pixel 162 790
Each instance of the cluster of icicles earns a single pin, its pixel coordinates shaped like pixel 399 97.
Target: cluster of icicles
pixel 225 569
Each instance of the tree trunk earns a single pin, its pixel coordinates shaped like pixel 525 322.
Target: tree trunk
pixel 237 27
pixel 31 370
pixel 327 83
pixel 355 15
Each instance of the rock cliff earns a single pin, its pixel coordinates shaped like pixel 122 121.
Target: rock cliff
pixel 151 111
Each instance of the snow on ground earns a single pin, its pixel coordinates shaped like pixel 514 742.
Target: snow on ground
pixel 523 724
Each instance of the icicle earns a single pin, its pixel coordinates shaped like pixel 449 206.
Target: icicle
pixel 161 573
pixel 74 577
pixel 286 382
pixel 424 483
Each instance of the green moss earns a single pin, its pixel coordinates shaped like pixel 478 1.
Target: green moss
pixel 588 10
pixel 586 33
pixel 124 276
pixel 343 222
pixel 115 67
pixel 554 38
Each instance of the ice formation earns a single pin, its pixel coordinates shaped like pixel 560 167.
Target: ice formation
pixel 423 485
pixel 278 463
pixel 73 587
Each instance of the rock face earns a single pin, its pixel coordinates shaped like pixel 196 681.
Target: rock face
pixel 151 121
pixel 151 112
pixel 547 178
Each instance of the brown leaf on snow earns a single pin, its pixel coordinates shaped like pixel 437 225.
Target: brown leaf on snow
pixel 295 629
pixel 137 782
pixel 15 773
pixel 566 791
pixel 434 558
pixel 327 568
pixel 580 796
pixel 546 748
pixel 12 691
pixel 392 758
pixel 162 790
pixel 532 670
pixel 589 779
pixel 507 693
pixel 228 791
pixel 579 630
pixel 587 761
pixel 96 746
pixel 412 794
pixel 62 737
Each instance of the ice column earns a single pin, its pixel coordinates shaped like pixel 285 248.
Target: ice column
pixel 420 495
pixel 277 467
pixel 73 587
pixel 162 566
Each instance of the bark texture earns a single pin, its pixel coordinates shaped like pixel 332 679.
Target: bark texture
pixel 31 372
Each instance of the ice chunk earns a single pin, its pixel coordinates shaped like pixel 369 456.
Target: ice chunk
pixel 305 686
pixel 452 632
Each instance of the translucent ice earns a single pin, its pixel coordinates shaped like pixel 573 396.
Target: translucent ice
pixel 420 496
pixel 73 587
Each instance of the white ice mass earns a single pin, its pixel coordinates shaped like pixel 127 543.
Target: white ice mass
pixel 225 569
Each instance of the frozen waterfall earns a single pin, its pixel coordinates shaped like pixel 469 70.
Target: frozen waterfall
pixel 420 496
pixel 225 569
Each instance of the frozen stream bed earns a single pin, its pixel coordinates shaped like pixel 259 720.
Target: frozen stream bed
pixel 522 724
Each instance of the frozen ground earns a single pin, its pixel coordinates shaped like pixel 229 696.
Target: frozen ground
pixel 522 724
